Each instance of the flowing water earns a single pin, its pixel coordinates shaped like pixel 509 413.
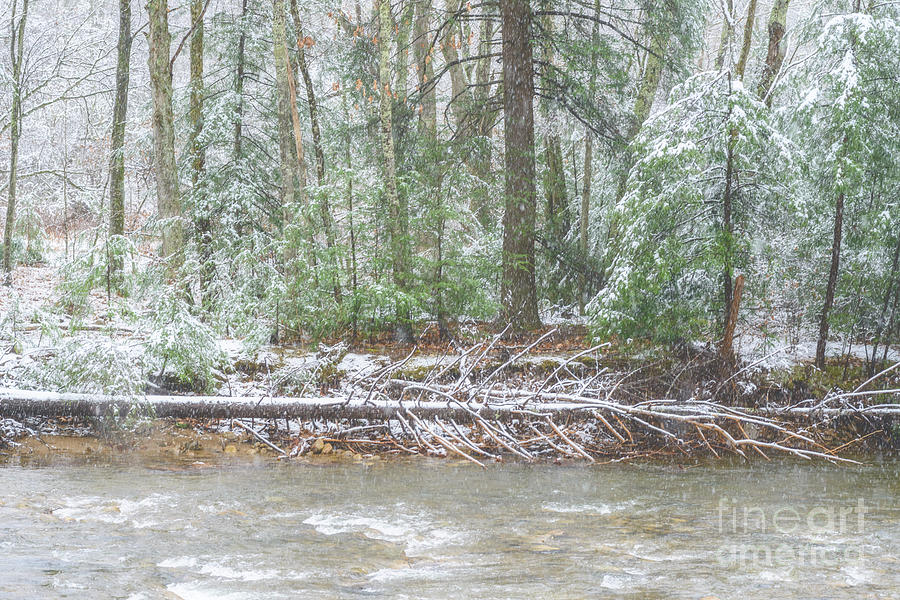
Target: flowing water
pixel 441 529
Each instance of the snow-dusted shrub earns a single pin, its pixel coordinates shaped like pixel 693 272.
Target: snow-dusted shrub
pixel 179 347
pixel 89 364
pixel 96 268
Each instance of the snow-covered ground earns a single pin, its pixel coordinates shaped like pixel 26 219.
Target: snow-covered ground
pixel 774 353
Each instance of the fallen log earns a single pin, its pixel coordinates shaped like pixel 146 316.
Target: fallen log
pixel 27 403
pixel 514 405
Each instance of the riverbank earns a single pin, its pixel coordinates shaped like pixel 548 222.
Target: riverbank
pixel 463 390
pixel 529 401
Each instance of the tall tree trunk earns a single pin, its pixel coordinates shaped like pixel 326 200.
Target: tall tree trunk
pixel 286 138
pixel 310 94
pixel 832 280
pixel 480 157
pixel 889 292
pixel 555 190
pixel 775 55
pixel 16 53
pixel 195 112
pixel 518 293
pixel 239 84
pixel 726 350
pixel 727 34
pixel 117 142
pixel 459 82
pixel 748 38
pixel 404 26
pixel 348 158
pixel 585 216
pixel 293 161
pixel 399 228
pixel 425 69
pixel 556 211
pixel 197 152
pixel 324 208
pixel 643 102
pixel 728 232
pixel 834 271
pixel 588 171
pixel 168 202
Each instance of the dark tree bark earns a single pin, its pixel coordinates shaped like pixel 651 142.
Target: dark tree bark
pixel 120 112
pixel 728 228
pixel 518 294
pixel 832 280
pixel 726 351
pixel 882 328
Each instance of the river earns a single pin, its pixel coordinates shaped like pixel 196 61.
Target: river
pixel 442 529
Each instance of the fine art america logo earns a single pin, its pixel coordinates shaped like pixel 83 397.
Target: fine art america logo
pixel 790 536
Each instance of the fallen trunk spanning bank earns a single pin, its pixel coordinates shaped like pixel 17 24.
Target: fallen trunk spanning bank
pixel 449 424
pixel 472 407
pixel 26 403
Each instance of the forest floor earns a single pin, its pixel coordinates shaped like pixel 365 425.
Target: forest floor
pixel 772 373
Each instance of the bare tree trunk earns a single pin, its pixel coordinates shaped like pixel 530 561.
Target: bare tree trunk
pixel 399 219
pixel 518 293
pixel 310 93
pixel 588 172
pixel 197 151
pixel 324 208
pixel 834 271
pixel 643 102
pixel 425 68
pixel 556 211
pixel 728 227
pixel 286 139
pixel 653 69
pixel 727 349
pixel 748 37
pixel 168 202
pixel 403 28
pixel 832 280
pixel 880 329
pixel 775 55
pixel 16 53
pixel 727 34
pixel 198 154
pixel 459 83
pixel 239 84
pixel 480 158
pixel 117 141
pixel 348 157
pixel 585 215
